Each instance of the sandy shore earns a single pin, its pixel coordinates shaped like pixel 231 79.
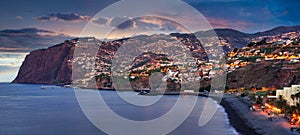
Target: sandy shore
pixel 251 123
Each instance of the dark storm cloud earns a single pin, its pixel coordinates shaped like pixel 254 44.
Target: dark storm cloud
pixel 25 31
pixel 64 17
pixel 28 39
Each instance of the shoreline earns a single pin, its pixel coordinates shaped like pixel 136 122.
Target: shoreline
pixel 238 114
pixel 248 122
pixel 236 121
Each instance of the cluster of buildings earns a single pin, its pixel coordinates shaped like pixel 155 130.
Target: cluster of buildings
pixel 290 94
pixel 281 47
pixel 164 53
pixel 160 53
pixel 278 39
pixel 182 54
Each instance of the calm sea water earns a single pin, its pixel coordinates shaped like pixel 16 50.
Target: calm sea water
pixel 28 110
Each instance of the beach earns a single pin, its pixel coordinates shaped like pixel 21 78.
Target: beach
pixel 248 122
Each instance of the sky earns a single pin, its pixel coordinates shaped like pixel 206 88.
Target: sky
pixel 27 25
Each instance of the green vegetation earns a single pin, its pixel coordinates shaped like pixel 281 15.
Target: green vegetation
pixel 141 63
pixel 250 59
pixel 267 50
pixel 262 42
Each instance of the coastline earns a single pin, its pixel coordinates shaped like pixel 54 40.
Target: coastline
pixel 253 122
pixel 235 119
pixel 240 118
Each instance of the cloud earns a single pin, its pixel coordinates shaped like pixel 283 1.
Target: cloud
pixel 4 68
pixel 15 44
pixel 145 23
pixel 28 39
pixel 12 59
pixel 219 23
pixel 121 23
pixel 8 73
pixel 19 17
pixel 100 20
pixel 8 49
pixel 126 25
pixel 72 17
pixel 25 31
pixel 235 24
pixel 161 23
pixel 9 65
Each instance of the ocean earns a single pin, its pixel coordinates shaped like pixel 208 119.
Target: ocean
pixel 26 109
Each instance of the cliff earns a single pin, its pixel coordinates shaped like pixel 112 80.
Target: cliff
pixel 48 66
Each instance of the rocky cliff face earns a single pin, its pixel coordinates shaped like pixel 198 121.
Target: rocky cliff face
pixel 48 66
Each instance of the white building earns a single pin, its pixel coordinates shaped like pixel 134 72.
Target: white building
pixel 287 92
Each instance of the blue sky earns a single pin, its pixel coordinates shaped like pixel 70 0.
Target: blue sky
pixel 244 15
pixel 48 22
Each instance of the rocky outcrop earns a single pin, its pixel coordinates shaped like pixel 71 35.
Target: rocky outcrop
pixel 48 66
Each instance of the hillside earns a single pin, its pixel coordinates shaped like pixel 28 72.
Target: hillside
pixel 54 64
pixel 237 39
pixel 265 74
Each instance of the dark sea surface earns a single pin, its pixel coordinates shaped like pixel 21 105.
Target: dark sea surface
pixel 29 110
